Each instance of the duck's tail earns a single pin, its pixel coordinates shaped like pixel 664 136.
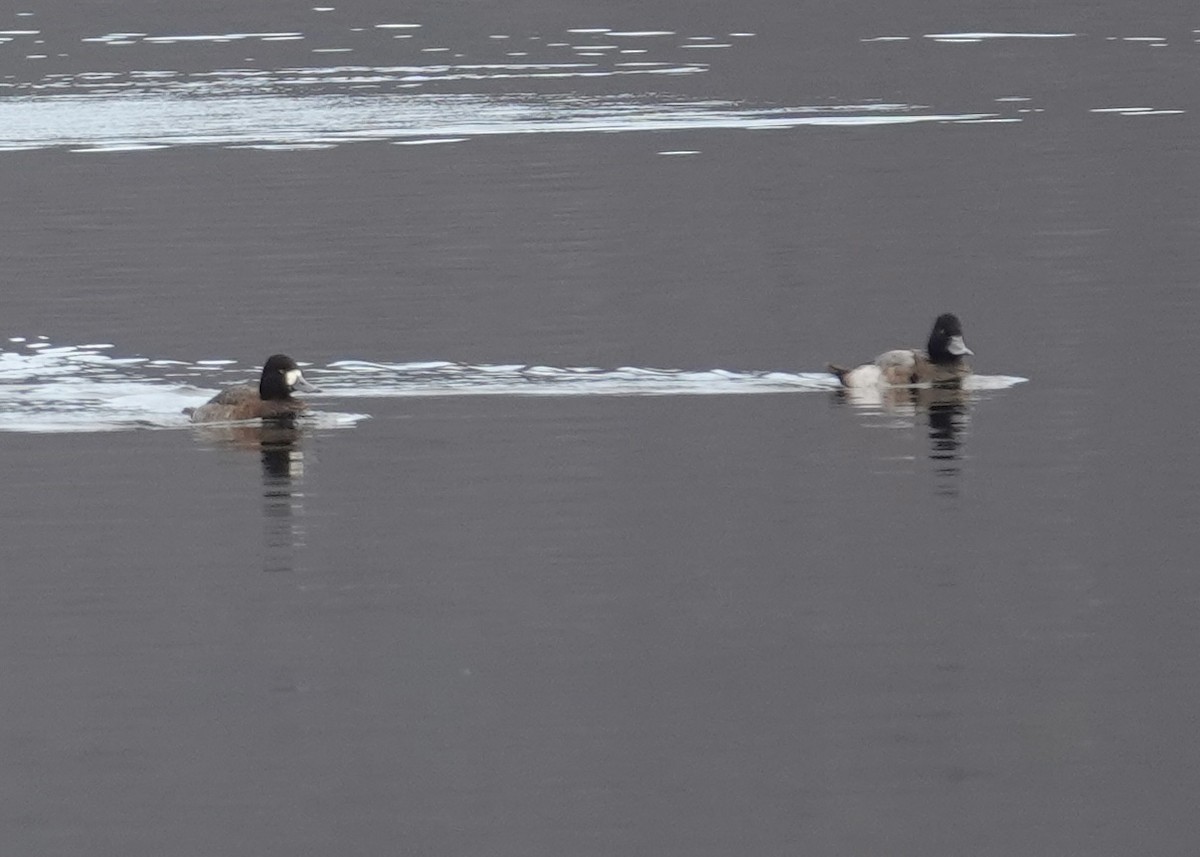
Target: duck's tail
pixel 840 371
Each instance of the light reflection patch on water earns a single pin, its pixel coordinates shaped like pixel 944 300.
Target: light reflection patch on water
pixel 1138 111
pixel 51 388
pixel 152 44
pixel 978 37
pixel 140 121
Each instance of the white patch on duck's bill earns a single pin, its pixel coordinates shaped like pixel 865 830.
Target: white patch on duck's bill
pixel 293 377
pixel 957 347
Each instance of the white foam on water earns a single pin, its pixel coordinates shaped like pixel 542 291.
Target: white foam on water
pixel 1138 111
pixel 115 37
pixel 385 380
pixel 65 388
pixel 285 147
pixel 47 388
pixel 430 141
pixel 55 388
pixel 122 147
pixel 224 37
pixel 378 380
pixel 992 382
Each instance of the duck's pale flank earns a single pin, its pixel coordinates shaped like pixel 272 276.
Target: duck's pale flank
pixel 942 362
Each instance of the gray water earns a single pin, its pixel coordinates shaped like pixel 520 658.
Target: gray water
pixel 582 552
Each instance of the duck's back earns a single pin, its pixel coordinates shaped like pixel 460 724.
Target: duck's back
pixel 243 402
pixel 226 405
pixel 900 366
pixel 239 395
pixel 914 366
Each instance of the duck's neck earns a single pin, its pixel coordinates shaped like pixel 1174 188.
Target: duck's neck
pixel 273 394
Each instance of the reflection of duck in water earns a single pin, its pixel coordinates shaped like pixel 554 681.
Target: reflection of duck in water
pixel 947 410
pixel 906 401
pixel 941 363
pixel 279 442
pixel 272 399
pixel 269 436
pixel 279 445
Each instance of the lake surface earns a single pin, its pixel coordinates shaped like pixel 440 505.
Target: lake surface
pixel 583 552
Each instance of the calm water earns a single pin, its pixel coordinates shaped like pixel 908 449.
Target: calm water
pixel 584 554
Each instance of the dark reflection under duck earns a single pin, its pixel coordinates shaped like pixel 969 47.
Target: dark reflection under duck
pixel 282 460
pixel 946 411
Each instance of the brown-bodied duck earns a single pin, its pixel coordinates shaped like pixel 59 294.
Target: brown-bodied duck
pixel 271 399
pixel 942 362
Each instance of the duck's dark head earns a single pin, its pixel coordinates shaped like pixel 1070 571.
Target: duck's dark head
pixel 946 341
pixel 280 376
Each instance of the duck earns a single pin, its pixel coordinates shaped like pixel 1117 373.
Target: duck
pixel 270 400
pixel 941 364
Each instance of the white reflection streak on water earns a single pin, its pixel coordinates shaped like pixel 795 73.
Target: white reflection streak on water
pixel 139 120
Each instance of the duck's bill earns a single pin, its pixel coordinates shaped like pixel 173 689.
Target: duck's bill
pixel 295 381
pixel 957 347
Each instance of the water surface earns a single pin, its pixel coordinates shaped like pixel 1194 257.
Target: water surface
pixel 583 552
